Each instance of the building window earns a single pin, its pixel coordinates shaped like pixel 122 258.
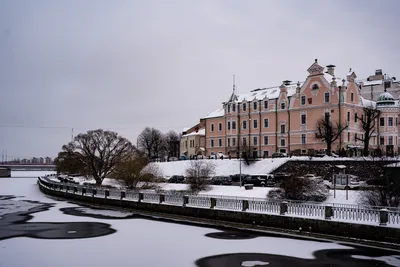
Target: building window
pixel 355 117
pixel 355 137
pixel 381 140
pixel 244 106
pixel 219 142
pixel 282 142
pixel 234 107
pixel 396 122
pixel 219 126
pixel 186 144
pixel 244 141
pixel 229 108
pixel 303 119
pixel 265 123
pixel 229 142
pixel 255 105
pixel 348 115
pixel 265 104
pixel 390 141
pixel 348 137
pixel 326 97
pixel 229 125
pixel 255 124
pixel 212 127
pixel 327 116
pixel 265 140
pixel 255 140
pixel 283 128
pixel 315 87
pixel 265 154
pixel 233 125
pixel 352 97
pixel 381 121
pixel 303 100
pixel 390 121
pixel 233 141
pixel 303 138
pixel 244 125
pixel 212 143
pixel 283 105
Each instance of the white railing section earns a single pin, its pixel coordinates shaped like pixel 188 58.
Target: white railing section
pixel 355 214
pixel 151 197
pixel 264 206
pixel 340 212
pixel 227 203
pixel 305 209
pixel 174 199
pixel 199 201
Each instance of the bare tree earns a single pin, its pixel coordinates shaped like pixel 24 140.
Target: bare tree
pixel 198 173
pixel 137 172
pixel 151 141
pixel 70 162
pixel 385 187
pixel 328 132
pixel 368 123
pixel 172 140
pixel 100 151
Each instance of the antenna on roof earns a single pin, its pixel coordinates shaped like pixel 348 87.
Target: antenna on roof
pixel 234 86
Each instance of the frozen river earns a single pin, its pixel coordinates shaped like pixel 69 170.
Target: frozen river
pixel 36 230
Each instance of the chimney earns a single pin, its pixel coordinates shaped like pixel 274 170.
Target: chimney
pixel 331 70
pixel 287 82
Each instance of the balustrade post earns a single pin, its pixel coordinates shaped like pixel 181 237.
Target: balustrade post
pixel 106 193
pixel 245 205
pixel 162 198
pixel 67 188
pixel 283 207
pixel 140 197
pixel 83 191
pixel 94 192
pixel 75 189
pixel 213 202
pixel 328 212
pixel 383 217
pixel 185 200
pixel 123 194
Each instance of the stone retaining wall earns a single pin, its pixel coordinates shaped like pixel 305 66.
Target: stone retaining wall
pixel 326 227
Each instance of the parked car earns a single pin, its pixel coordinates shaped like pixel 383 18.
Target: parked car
pixel 178 179
pixel 221 180
pixel 311 176
pixel 236 177
pixel 279 155
pixel 183 158
pixel 259 180
pixel 173 159
pixel 279 176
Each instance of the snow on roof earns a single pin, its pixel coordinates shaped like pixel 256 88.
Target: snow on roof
pixel 369 83
pixel 267 93
pixel 185 129
pixel 216 113
pixel 199 132
pixel 368 103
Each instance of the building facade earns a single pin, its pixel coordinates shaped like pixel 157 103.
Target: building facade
pixel 284 118
pixel 193 141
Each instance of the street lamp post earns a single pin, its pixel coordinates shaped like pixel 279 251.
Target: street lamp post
pixel 240 155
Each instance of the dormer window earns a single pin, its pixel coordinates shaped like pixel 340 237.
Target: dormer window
pixel 244 106
pixel 255 105
pixel 233 107
pixel 315 87
pixel 229 108
pixel 283 105
pixel 303 100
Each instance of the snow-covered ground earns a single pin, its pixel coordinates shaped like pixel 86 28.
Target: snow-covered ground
pixel 223 167
pixel 19 174
pixel 141 242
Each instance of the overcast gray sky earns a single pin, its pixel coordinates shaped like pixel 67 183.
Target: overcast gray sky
pixel 126 65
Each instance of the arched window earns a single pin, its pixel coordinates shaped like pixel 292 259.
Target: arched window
pixel 315 87
pixel 283 105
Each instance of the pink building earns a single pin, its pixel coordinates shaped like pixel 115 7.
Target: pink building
pixel 284 118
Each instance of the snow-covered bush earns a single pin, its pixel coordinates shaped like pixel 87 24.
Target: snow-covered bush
pixel 304 189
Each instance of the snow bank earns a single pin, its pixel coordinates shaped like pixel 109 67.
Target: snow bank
pixel 224 167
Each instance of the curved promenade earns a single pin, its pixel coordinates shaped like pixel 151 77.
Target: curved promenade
pixel 340 222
